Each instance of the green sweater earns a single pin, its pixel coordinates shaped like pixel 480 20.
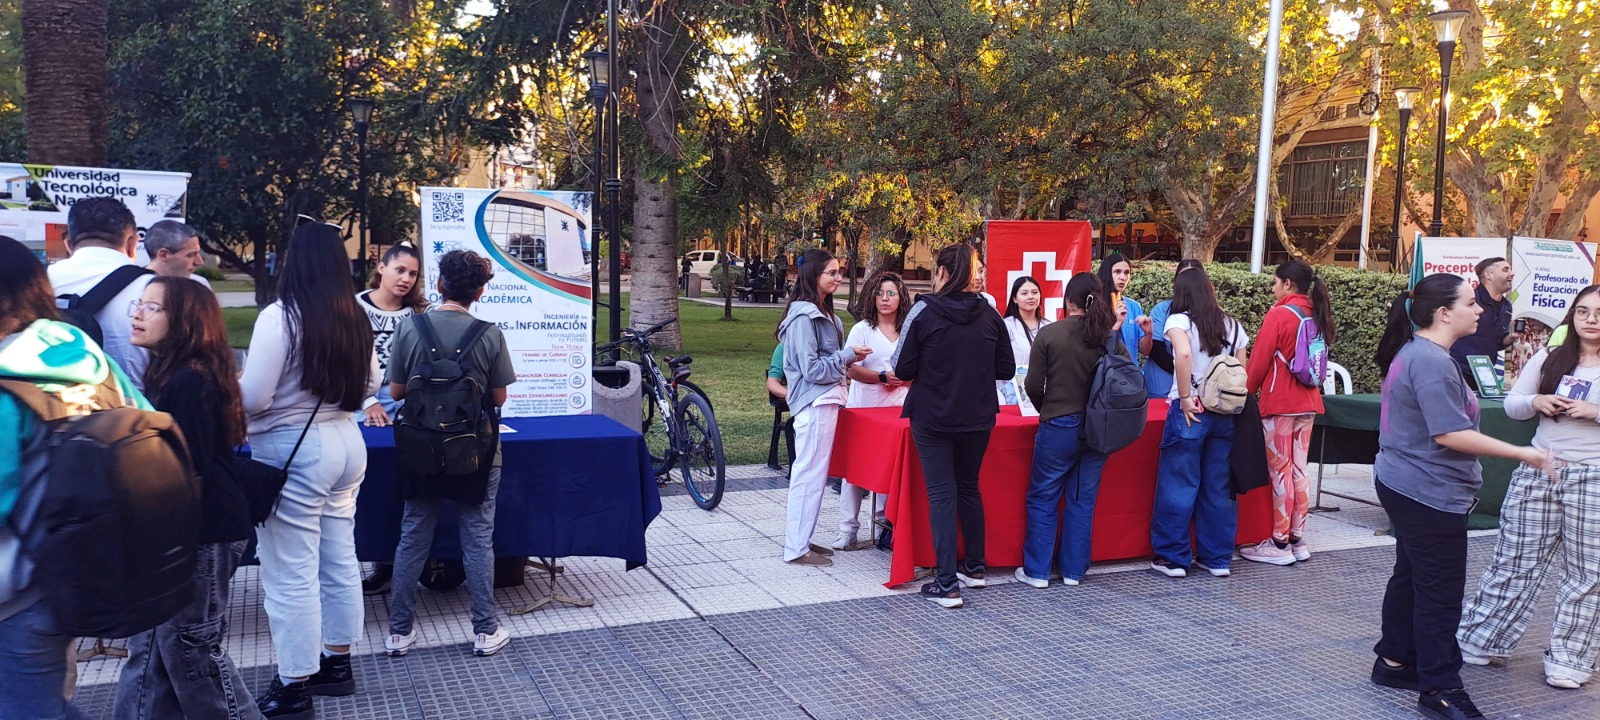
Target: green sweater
pixel 1061 368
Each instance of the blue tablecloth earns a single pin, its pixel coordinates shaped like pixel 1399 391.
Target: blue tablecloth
pixel 571 485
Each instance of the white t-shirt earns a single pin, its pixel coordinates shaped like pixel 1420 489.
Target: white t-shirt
pixel 1202 360
pixel 873 394
pixel 1021 350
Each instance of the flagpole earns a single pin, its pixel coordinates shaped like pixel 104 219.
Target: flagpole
pixel 1269 108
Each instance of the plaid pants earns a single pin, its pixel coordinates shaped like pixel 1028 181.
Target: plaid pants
pixel 1543 523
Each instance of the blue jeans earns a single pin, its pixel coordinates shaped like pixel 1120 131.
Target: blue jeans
pixel 33 668
pixel 1192 486
pixel 1061 463
pixel 477 555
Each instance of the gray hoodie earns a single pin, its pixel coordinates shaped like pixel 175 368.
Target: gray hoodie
pixel 813 362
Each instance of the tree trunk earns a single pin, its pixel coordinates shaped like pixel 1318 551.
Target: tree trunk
pixel 727 277
pixel 65 60
pixel 655 210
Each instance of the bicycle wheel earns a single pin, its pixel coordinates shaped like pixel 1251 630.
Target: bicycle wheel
pixel 656 437
pixel 700 451
pixel 693 388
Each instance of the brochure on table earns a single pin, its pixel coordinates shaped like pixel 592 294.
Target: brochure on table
pixel 539 244
pixel 1483 371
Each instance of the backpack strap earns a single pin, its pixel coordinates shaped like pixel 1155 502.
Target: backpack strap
pixel 102 293
pixel 470 340
pixel 429 337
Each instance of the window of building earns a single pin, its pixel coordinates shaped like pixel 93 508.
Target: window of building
pixel 1324 180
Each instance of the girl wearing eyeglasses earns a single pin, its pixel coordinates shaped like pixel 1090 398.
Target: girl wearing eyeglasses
pixel 872 381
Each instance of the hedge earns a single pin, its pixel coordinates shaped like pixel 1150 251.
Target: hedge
pixel 1361 301
pixel 717 274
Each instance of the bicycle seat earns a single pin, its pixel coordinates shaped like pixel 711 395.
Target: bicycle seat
pixel 678 360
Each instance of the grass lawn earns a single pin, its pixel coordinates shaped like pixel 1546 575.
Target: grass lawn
pixel 233 286
pixel 730 364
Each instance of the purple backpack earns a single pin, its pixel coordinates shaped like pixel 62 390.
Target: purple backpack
pixel 1310 362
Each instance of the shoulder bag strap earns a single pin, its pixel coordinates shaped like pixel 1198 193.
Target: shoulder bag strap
pixel 303 431
pixel 102 293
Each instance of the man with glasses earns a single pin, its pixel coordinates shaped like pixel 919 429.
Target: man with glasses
pixel 101 278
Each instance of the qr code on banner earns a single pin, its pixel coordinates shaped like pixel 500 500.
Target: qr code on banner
pixel 449 207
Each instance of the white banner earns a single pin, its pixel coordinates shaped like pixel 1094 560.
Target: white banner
pixel 35 199
pixel 1456 256
pixel 539 244
pixel 1549 275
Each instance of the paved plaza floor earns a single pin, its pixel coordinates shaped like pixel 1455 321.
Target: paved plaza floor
pixel 718 627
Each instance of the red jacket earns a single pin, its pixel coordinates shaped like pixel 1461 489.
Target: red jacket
pixel 1281 393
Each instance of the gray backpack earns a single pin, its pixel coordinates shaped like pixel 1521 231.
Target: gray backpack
pixel 1116 413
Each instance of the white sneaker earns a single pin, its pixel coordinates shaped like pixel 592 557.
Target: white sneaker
pixel 1023 578
pixel 1472 657
pixel 1215 572
pixel 1168 569
pixel 1069 582
pixel 1301 552
pixel 398 645
pixel 1563 682
pixel 489 644
pixel 972 581
pixel 844 540
pixel 1268 552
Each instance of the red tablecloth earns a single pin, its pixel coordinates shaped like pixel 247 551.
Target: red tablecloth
pixel 873 448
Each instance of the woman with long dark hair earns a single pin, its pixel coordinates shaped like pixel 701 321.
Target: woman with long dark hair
pixel 1289 407
pixel 1115 273
pixel 815 365
pixel 873 383
pixel 311 365
pixel 35 345
pixel 1192 477
pixel 181 668
pixel 1158 363
pixel 1024 318
pixel 1548 523
pixel 1427 478
pixel 1061 367
pixel 952 350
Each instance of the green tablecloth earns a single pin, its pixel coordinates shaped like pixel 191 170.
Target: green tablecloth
pixel 1348 433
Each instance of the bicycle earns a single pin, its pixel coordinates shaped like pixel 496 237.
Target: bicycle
pixel 679 428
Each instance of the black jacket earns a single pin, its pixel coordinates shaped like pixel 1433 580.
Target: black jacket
pixel 953 348
pixel 1248 462
pixel 195 406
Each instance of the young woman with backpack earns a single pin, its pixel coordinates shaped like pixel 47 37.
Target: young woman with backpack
pixel 1061 370
pixel 1289 405
pixel 815 365
pixel 182 668
pixel 872 381
pixel 33 653
pixel 1192 478
pixel 952 350
pixel 1427 478
pixel 310 367
pixel 1547 524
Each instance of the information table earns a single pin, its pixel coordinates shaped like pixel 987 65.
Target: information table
pixel 1348 434
pixel 574 485
pixel 873 449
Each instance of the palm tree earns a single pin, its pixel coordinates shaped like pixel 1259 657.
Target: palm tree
pixel 65 56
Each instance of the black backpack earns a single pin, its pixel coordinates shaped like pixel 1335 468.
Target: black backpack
pixel 442 423
pixel 1115 414
pixel 108 517
pixel 80 310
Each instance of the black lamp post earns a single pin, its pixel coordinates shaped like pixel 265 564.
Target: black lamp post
pixel 361 112
pixel 613 189
pixel 1447 28
pixel 1406 99
pixel 599 90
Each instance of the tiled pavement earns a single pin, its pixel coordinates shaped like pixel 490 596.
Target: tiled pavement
pixel 717 627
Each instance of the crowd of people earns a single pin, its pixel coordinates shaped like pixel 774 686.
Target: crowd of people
pixel 323 360
pixel 950 360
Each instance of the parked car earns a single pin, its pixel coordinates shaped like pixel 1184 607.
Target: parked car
pixel 704 260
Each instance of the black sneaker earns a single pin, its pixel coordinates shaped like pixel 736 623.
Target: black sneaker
pixel 378 582
pixel 1448 705
pixel 945 598
pixel 1168 569
pixel 286 702
pixel 335 679
pixel 972 576
pixel 1400 678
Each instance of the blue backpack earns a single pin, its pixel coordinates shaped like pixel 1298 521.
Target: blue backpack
pixel 1310 362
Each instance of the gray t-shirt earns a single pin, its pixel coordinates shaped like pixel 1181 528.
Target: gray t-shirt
pixel 1424 397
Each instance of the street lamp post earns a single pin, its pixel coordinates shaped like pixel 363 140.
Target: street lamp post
pixel 1447 28
pixel 599 90
pixel 361 113
pixel 613 190
pixel 1406 99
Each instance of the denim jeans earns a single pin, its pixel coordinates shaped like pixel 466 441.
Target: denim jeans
pixel 309 573
pixel 1422 604
pixel 33 668
pixel 181 668
pixel 477 555
pixel 1062 463
pixel 950 465
pixel 1192 486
